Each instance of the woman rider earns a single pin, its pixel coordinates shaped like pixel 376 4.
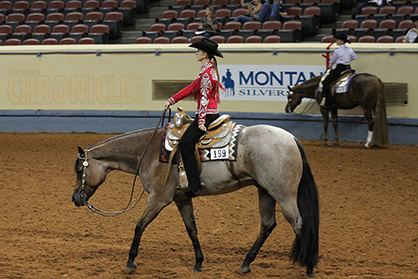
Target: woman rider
pixel 205 90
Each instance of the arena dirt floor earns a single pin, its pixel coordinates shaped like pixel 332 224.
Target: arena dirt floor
pixel 369 218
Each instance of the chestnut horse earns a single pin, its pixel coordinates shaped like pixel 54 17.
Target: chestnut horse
pixel 268 157
pixel 365 90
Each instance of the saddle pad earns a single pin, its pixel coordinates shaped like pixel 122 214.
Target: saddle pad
pixel 340 85
pixel 208 154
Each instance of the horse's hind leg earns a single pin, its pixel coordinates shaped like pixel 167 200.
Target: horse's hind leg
pixel 267 205
pixel 370 123
pixel 334 114
pixel 185 206
pixel 153 208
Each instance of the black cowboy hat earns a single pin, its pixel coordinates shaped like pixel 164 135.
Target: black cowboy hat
pixel 208 46
pixel 342 37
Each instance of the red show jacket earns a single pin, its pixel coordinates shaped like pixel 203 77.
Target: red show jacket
pixel 204 90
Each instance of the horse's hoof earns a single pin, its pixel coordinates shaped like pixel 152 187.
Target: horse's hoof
pixel 245 269
pixel 310 275
pixel 197 269
pixel 130 268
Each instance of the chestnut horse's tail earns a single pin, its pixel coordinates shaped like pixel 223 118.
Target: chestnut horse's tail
pixel 305 247
pixel 380 128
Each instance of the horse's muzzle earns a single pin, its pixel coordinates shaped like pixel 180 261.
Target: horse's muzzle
pixel 79 198
pixel 287 109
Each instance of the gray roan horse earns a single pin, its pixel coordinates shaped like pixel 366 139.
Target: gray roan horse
pixel 366 90
pixel 267 157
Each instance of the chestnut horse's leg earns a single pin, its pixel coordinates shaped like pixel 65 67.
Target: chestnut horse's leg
pixel 185 206
pixel 325 116
pixel 334 114
pixel 267 205
pixel 154 206
pixel 370 123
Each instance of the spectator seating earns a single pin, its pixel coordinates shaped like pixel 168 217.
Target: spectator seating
pixel 79 31
pixel 253 39
pixel 41 31
pixel 5 7
pixel 31 41
pixel 218 39
pixel 21 7
pixel 86 41
pixel 128 9
pixel 385 39
pixel 38 7
pixel 68 41
pixel 5 32
pixel 271 39
pixel 100 33
pixel 161 40
pixel 12 42
pixel 143 40
pixel 60 31
pixel 399 39
pixel 386 27
pixel 34 19
pixel 180 40
pixel 366 39
pixel 22 32
pixel 235 39
pixel 56 6
pixel 49 41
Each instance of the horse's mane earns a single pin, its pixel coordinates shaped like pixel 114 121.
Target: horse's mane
pixel 122 136
pixel 310 82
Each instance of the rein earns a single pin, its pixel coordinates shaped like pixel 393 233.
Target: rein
pixel 307 108
pixel 128 206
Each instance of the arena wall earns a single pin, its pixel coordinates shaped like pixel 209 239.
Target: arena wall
pixel 112 88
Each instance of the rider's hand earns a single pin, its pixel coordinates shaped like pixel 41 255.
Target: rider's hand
pixel 167 105
pixel 202 127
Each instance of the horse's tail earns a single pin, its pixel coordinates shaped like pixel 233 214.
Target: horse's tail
pixel 380 128
pixel 305 247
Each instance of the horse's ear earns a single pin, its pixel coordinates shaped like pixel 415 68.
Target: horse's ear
pixel 80 152
pixel 288 87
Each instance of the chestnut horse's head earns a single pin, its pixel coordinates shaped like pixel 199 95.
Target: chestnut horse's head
pixel 90 175
pixel 293 100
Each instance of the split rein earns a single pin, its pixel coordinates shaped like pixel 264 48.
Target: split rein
pixel 128 206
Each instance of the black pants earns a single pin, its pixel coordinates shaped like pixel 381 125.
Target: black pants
pixel 187 150
pixel 326 84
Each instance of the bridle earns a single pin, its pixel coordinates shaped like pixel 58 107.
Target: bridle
pixel 128 206
pixel 306 108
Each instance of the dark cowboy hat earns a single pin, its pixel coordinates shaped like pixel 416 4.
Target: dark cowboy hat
pixel 342 37
pixel 208 46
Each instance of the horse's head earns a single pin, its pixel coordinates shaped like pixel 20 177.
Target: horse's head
pixel 91 173
pixel 293 100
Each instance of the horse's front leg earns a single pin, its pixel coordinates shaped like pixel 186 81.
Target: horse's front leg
pixel 185 206
pixel 334 114
pixel 152 209
pixel 325 113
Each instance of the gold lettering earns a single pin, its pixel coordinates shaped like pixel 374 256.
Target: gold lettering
pixel 91 89
pixel 43 89
pixel 60 80
pixel 27 89
pixel 99 94
pixel 10 89
pixel 78 90
pixel 125 90
pixel 112 98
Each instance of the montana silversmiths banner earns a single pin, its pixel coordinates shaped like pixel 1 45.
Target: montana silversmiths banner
pixel 263 82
